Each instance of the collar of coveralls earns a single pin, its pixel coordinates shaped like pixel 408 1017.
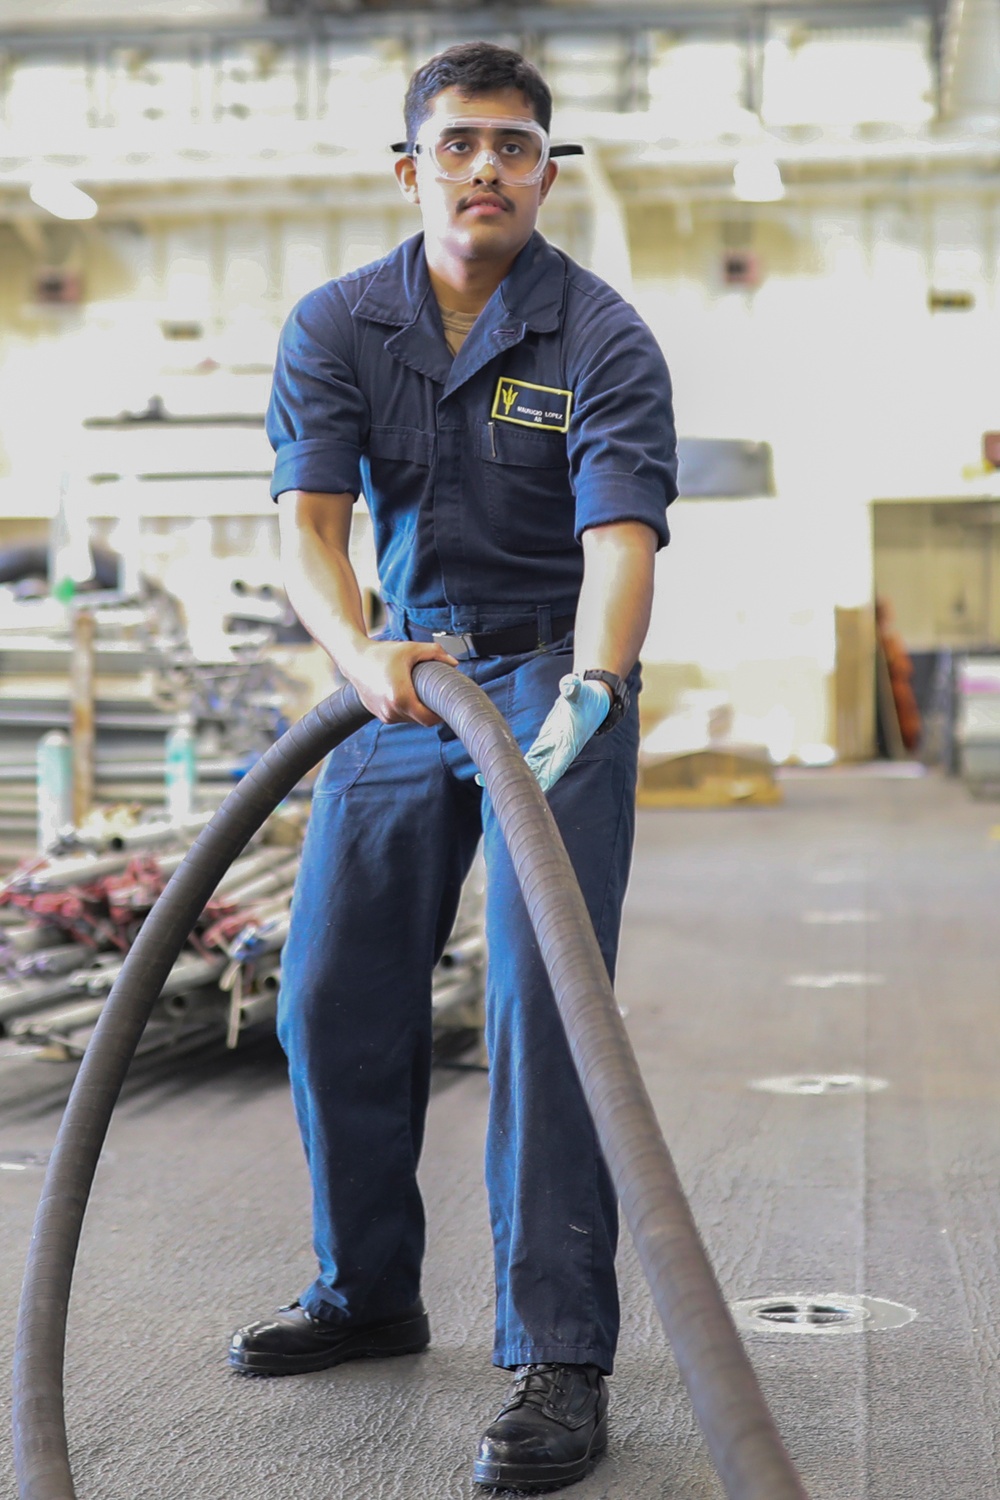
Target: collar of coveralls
pixel 532 292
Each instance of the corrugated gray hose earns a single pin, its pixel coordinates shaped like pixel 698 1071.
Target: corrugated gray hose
pixel 741 1435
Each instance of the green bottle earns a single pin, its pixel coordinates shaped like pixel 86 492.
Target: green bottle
pixel 54 780
pixel 181 770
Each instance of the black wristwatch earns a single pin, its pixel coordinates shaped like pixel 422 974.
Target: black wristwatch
pixel 620 697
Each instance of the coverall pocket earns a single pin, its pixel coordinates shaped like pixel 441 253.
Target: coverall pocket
pixel 347 764
pixel 526 480
pixel 398 458
pixel 406 443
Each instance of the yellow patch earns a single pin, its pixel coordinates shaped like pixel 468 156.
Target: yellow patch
pixel 527 405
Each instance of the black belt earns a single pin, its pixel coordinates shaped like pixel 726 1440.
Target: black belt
pixel 513 642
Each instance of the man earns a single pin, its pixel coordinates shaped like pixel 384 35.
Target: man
pixel 508 418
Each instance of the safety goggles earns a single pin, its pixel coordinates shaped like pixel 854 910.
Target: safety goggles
pixel 457 150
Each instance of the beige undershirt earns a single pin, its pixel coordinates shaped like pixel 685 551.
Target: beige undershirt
pixel 457 327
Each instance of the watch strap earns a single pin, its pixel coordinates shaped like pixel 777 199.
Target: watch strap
pixel 620 696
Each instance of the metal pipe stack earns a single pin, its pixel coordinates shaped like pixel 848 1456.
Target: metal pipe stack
pixel 68 920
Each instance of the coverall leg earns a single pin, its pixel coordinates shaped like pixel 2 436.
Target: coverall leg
pixel 395 821
pixel 390 840
pixel 552 1206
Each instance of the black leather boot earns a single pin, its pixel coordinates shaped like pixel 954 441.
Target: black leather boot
pixel 549 1431
pixel 293 1342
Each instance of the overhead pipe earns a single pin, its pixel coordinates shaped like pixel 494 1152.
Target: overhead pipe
pixel 739 1430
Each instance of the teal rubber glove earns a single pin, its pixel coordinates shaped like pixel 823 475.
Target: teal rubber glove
pixel 579 712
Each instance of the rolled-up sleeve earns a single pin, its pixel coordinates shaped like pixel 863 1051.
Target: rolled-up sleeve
pixel 622 442
pixel 317 418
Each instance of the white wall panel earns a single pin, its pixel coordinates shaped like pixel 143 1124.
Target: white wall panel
pixel 848 78
pixel 145 92
pixel 48 102
pixel 361 93
pixel 248 269
pixel 187 255
pixel 838 361
pixel 696 88
pixel 29 12
pixel 304 258
pixel 363 238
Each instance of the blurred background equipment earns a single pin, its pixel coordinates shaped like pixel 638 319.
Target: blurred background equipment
pixel 802 202
pixel 118 742
pixel 118 690
pixel 67 920
pixel 978 731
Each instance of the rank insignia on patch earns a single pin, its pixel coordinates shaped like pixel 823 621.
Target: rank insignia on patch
pixel 530 405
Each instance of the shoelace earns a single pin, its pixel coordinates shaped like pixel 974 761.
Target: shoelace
pixel 533 1385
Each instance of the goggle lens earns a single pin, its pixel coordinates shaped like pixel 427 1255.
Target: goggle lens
pixel 458 151
pixel 516 154
pixel 519 150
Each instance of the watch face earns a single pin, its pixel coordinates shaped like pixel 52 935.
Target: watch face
pixel 619 708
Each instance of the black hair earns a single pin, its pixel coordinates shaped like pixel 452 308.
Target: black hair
pixel 475 68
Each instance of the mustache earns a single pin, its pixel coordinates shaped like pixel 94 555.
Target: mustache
pixel 485 193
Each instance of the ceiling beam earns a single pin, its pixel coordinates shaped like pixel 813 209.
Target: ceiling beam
pixel 419 27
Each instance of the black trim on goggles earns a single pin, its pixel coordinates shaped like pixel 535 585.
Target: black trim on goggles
pixel 408 148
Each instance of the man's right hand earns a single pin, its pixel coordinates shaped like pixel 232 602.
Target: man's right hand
pixel 381 671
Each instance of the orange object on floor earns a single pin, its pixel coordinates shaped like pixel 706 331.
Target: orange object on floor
pixel 900 673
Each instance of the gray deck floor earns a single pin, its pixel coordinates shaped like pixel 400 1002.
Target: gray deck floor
pixel 199 1219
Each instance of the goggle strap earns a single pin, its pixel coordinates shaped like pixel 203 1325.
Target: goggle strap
pixel 408 148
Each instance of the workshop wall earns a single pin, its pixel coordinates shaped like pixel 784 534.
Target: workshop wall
pixel 35 12
pixel 834 357
pixel 837 359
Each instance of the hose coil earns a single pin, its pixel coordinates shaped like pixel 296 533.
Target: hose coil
pixel 740 1432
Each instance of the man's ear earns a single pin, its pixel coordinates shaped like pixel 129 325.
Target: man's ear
pixel 406 175
pixel 551 173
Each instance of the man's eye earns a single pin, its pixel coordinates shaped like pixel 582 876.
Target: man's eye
pixel 513 148
pixel 456 148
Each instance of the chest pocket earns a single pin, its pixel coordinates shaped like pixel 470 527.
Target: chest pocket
pixel 399 458
pixel 526 482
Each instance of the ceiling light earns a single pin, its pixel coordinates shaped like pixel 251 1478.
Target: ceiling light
pixel 757 179
pixel 58 195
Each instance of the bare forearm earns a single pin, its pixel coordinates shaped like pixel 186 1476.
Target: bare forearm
pixel 317 572
pixel 323 589
pixel 325 595
pixel 616 598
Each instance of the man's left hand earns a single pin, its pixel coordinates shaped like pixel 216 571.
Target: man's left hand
pixel 578 713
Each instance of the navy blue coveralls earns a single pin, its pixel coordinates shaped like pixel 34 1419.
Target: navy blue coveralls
pixel 480 472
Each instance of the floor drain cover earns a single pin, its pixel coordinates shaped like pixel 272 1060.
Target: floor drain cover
pixel 836 1313
pixel 821 1083
pixel 23 1161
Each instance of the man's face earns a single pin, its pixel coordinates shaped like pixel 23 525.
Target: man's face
pixel 483 219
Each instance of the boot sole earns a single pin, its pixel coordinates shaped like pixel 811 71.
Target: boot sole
pixel 410 1337
pixel 533 1478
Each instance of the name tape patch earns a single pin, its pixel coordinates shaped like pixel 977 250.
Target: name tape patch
pixel 530 405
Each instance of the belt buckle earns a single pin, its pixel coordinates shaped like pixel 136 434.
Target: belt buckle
pixel 458 646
